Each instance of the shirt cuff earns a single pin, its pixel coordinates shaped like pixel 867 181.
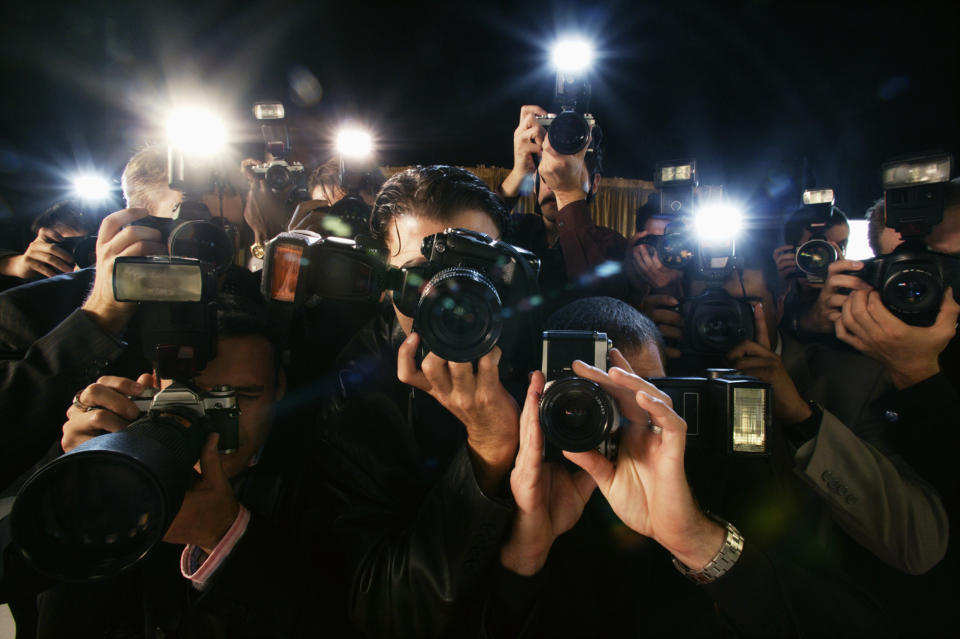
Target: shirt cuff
pixel 197 566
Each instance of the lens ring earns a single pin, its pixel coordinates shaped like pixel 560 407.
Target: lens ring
pixel 569 133
pixel 202 240
pixel 576 414
pixel 459 315
pixel 278 177
pixel 815 257
pixel 912 290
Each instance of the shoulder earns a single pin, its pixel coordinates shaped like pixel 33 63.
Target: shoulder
pixel 31 310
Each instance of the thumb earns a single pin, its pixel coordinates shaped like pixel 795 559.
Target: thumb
pixel 762 335
pixel 597 467
pixel 211 466
pixel 949 309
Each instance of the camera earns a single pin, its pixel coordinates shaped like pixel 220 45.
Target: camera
pixel 203 239
pixel 470 294
pixel 281 175
pixel 215 411
pixel 714 321
pixel 569 131
pixel 815 256
pixel 912 279
pixel 82 248
pixel 725 411
pixel 676 248
pixel 576 414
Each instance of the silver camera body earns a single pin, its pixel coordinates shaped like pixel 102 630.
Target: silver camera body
pixel 217 409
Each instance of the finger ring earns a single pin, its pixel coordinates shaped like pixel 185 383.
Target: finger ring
pixel 653 428
pixel 81 405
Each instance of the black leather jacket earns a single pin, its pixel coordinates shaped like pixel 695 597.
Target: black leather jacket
pixel 420 537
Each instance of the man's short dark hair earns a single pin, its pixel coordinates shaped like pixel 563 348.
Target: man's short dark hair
pixel 437 192
pixel 627 327
pixel 69 213
pixel 796 222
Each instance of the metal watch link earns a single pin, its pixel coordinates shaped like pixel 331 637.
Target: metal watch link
pixel 722 562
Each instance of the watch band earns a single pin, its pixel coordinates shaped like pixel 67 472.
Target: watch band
pixel 722 562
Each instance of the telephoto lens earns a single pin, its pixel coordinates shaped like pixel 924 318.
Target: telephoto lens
pixel 576 414
pixel 96 511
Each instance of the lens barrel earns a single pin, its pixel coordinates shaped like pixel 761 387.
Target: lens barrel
pixel 577 415
pixel 569 133
pixel 459 315
pixel 815 257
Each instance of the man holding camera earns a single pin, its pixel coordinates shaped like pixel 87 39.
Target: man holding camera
pixel 570 245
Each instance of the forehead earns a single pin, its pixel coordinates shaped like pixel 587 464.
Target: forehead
pixel 407 231
pixel 241 361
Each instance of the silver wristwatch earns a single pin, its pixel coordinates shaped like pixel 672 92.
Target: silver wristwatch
pixel 723 561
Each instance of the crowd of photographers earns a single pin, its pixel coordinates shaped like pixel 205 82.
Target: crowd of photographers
pixel 344 405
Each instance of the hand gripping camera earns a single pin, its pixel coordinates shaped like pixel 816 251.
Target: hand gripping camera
pixel 97 510
pixel 912 279
pixel 576 414
pixel 471 292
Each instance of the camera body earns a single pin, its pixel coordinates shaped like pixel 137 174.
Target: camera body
pixel 912 281
pixel 282 177
pixel 83 248
pixel 725 411
pixel 714 321
pixel 215 411
pixel 569 130
pixel 576 414
pixel 676 248
pixel 814 256
pixel 470 294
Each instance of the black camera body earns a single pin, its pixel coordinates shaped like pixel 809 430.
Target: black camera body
pixel 814 256
pixel 83 248
pixel 912 281
pixel 676 248
pixel 714 321
pixel 470 294
pixel 200 238
pixel 576 414
pixel 726 412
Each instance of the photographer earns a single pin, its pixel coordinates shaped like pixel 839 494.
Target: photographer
pixel 646 489
pixel 59 334
pixel 208 576
pixel 431 441
pixel 43 257
pixel 563 234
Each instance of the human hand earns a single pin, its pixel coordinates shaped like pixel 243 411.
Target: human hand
pixel 118 238
pixel 757 359
pixel 645 263
pixel 661 309
pixel 209 508
pixel 527 140
pixel 549 498
pixel 109 409
pixel 647 488
pixel 42 258
pixel 566 175
pixel 478 399
pixel 785 258
pixel 265 212
pixel 821 316
pixel 910 354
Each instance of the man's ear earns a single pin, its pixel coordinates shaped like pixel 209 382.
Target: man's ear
pixel 595 183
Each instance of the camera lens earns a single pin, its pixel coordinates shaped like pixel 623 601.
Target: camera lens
pixel 459 315
pixel 913 291
pixel 718 323
pixel 204 241
pixel 569 133
pixel 815 257
pixel 576 414
pixel 675 249
pixel 278 177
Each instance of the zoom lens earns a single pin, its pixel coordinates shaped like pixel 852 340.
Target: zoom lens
pixel 569 133
pixel 278 178
pixel 815 257
pixel 576 414
pixel 460 315
pixel 912 291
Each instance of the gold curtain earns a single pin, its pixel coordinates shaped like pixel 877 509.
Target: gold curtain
pixel 615 205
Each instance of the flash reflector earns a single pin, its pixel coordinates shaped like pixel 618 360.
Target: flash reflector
pixel 572 55
pixel 818 196
pixel 354 143
pixel 749 420
pixel 268 111
pixel 677 173
pixel 718 222
pixel 925 170
pixel 158 279
pixel 286 272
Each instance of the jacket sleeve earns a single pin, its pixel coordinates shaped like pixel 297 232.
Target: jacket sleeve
pixel 39 379
pixel 875 497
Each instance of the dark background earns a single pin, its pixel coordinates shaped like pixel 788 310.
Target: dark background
pixel 768 96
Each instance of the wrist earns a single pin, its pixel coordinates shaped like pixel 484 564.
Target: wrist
pixel 111 317
pixel 218 528
pixel 525 560
pixel 799 412
pixel 702 546
pixel 511 184
pixel 492 463
pixel 569 196
pixel 904 378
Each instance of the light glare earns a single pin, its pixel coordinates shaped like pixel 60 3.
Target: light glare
pixel 91 188
pixel 718 222
pixel 572 55
pixel 354 143
pixel 196 131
